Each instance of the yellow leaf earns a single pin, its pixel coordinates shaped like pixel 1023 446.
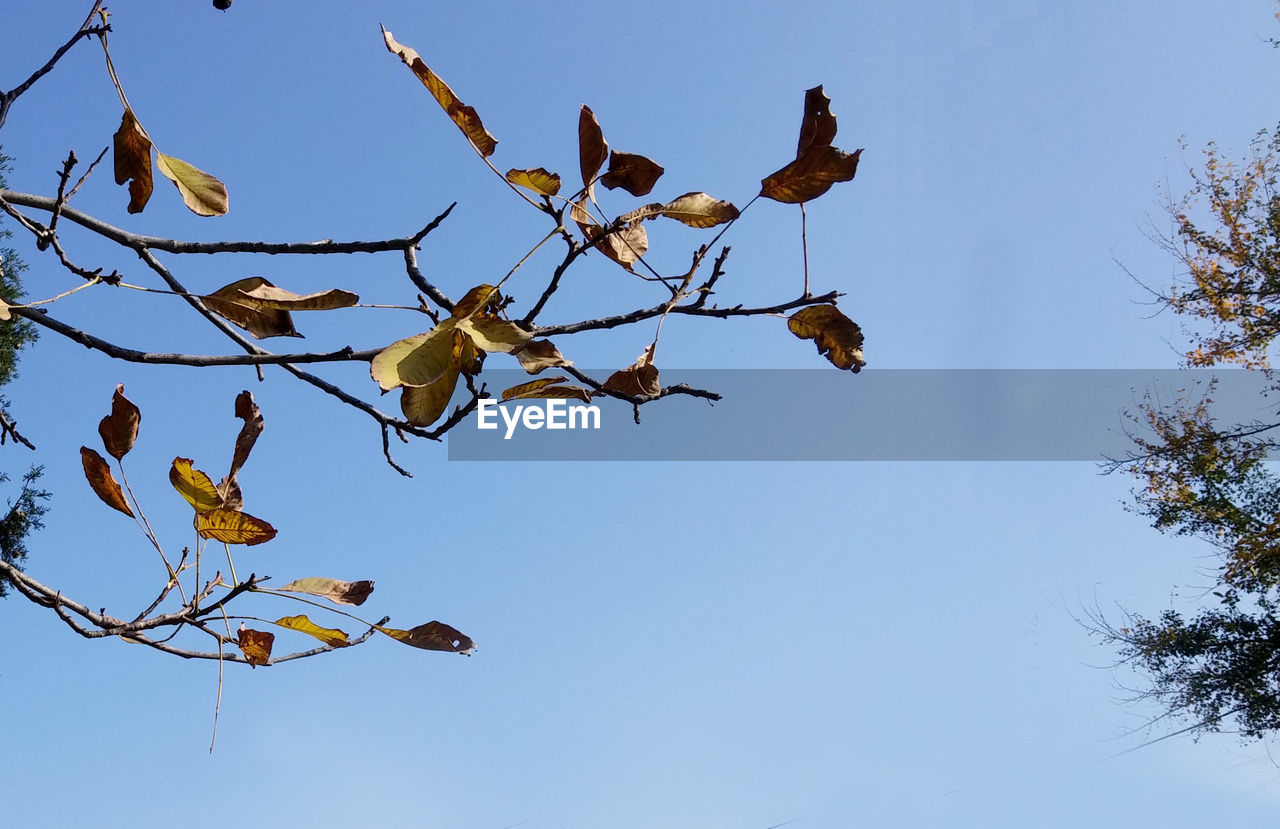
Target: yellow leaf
pixel 464 116
pixel 482 298
pixel 194 485
pixel 339 592
pixel 119 429
pixel 433 636
pixel 545 388
pixel 233 527
pixel 538 180
pixel 203 194
pixel 332 637
pixel 836 336
pixel 494 334
pixel 414 361
pixel 133 161
pixel 98 473
pixel 256 645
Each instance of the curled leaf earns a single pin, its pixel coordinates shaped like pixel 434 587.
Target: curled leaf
pixel 536 355
pixel 547 387
pixel 98 473
pixel 255 645
pixel 233 302
pixel 249 412
pixel 592 148
pixel 194 485
pixel 133 161
pixel 332 637
pixel 538 180
pixel 637 380
pixel 265 296
pixel 633 173
pixel 339 592
pixel 836 336
pixel 625 245
pixel 119 429
pixel 203 194
pixel 233 527
pixel 818 126
pixel 433 636
pixel 464 116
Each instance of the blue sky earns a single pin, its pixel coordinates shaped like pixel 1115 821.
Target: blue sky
pixel 722 645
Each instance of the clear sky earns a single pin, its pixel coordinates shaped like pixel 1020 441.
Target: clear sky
pixel 663 644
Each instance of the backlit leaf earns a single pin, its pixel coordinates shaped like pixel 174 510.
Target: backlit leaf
pixel 232 527
pixel 633 173
pixel 625 245
pixel 119 429
pixel 699 210
pixel 818 127
pixel 464 116
pixel 482 299
pixel 810 175
pixel 332 637
pixel 268 296
pixel 494 333
pixel 837 337
pixel 637 380
pixel 203 194
pixel 98 473
pixel 538 180
pixel 231 302
pixel 194 485
pixel 133 161
pixel 255 645
pixel 592 148
pixel 339 592
pixel 416 360
pixel 423 405
pixel 547 387
pixel 537 355
pixel 433 636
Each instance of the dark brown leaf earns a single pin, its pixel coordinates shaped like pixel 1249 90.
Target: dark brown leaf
pixel 249 412
pixel 810 175
pixel 119 429
pixel 256 645
pixel 133 161
pixel 592 148
pixel 818 128
pixel 836 336
pixel 638 380
pixel 229 302
pixel 633 173
pixel 434 636
pixel 537 355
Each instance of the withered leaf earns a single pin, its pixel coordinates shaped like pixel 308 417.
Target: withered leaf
pixel 818 127
pixel 255 645
pixel 433 636
pixel 339 592
pixel 267 296
pixel 332 637
pixel 233 527
pixel 133 161
pixel 836 336
pixel 624 245
pixel 230 302
pixel 119 429
pixel 194 485
pixel 537 355
pixel 633 173
pixel 98 473
pixel 810 175
pixel 592 148
pixel 464 116
pixel 249 412
pixel 693 209
pixel 203 194
pixel 547 387
pixel 229 492
pixel 538 180
pixel 638 380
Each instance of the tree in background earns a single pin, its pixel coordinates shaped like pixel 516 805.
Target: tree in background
pixel 429 370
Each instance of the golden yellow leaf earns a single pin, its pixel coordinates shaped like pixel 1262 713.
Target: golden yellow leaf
pixel 233 527
pixel 414 361
pixel 433 636
pixel 255 645
pixel 98 473
pixel 203 194
pixel 464 116
pixel 538 180
pixel 494 333
pixel 484 299
pixel 119 429
pixel 836 336
pixel 332 637
pixel 133 161
pixel 194 485
pixel 339 592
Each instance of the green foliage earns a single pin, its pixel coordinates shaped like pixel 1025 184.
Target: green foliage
pixel 15 334
pixel 24 515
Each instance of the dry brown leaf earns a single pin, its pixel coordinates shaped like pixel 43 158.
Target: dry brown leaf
pixel 537 355
pixel 810 175
pixel 249 412
pixel 133 161
pixel 464 116
pixel 818 127
pixel 98 473
pixel 699 210
pixel 624 246
pixel 119 429
pixel 837 337
pixel 638 380
pixel 339 592
pixel 255 645
pixel 230 303
pixel 433 636
pixel 592 148
pixel 547 387
pixel 633 173
pixel 267 296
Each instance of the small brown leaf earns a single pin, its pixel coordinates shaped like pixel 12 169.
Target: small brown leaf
pixel 538 180
pixel 119 429
pixel 537 355
pixel 592 148
pixel 810 175
pixel 98 473
pixel 267 296
pixel 230 303
pixel 464 116
pixel 332 637
pixel 256 645
pixel 194 485
pixel 699 210
pixel 547 387
pixel 339 592
pixel 232 527
pixel 433 636
pixel 818 127
pixel 203 194
pixel 638 380
pixel 249 412
pixel 625 245
pixel 633 173
pixel 133 161
pixel 837 337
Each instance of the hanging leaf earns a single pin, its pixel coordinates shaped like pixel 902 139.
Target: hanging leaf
pixel 592 148
pixel 98 473
pixel 119 429
pixel 538 180
pixel 625 245
pixel 255 645
pixel 339 592
pixel 231 302
pixel 464 116
pixel 133 161
pixel 249 412
pixel 433 636
pixel 638 380
pixel 699 210
pixel 414 361
pixel 194 485
pixel 633 173
pixel 547 387
pixel 810 175
pixel 837 337
pixel 266 296
pixel 537 355
pixel 203 194
pixel 332 637
pixel 233 527
pixel 818 127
